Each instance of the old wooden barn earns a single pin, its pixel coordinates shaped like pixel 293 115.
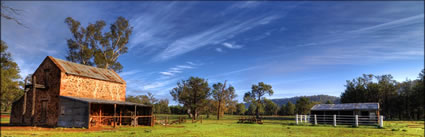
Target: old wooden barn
pixel 68 94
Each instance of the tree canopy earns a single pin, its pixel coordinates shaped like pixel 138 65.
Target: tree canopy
pixel 10 84
pixel 397 99
pixel 90 46
pixel 193 94
pixel 224 97
pixel 256 94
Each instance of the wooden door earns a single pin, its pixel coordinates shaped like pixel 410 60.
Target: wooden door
pixel 43 111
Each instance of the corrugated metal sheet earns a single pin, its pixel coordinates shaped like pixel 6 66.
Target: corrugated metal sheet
pixel 87 71
pixel 99 101
pixel 347 106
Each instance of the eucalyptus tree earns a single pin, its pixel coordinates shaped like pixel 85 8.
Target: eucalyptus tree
pixel 79 49
pixel 193 94
pixel 240 109
pixel 10 13
pixel 10 90
pixel 90 46
pixel 113 44
pixel 256 94
pixel 224 96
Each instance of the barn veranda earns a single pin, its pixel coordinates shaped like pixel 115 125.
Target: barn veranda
pixel 102 112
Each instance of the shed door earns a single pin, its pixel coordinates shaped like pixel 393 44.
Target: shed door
pixel 43 111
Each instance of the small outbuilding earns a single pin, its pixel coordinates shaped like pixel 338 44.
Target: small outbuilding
pixel 367 113
pixel 67 94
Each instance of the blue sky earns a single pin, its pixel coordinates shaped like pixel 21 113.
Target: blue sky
pixel 300 48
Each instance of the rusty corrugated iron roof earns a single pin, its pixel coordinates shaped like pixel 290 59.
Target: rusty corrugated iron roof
pixel 87 71
pixel 346 106
pixel 99 101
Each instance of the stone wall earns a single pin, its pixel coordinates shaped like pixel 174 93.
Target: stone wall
pixel 78 86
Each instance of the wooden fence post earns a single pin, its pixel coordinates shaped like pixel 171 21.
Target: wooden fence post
pixel 301 118
pixel 34 82
pixel 305 118
pixel 315 119
pixel 115 115
pixel 357 121
pixel 381 121
pixel 334 120
pixel 296 118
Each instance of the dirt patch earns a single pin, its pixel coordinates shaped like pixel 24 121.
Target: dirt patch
pixel 31 128
pixel 5 116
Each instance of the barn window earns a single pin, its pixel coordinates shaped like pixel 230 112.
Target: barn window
pixel 62 110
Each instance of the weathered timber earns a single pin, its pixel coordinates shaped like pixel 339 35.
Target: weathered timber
pixel 33 99
pixel 67 94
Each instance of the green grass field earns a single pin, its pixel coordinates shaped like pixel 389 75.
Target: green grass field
pixel 228 126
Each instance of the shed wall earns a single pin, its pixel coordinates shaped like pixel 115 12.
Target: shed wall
pixel 16 113
pixel 73 113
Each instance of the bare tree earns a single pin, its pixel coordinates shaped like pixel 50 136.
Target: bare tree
pixel 10 13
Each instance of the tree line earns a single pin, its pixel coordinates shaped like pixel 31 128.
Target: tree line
pixel 398 100
pixel 196 97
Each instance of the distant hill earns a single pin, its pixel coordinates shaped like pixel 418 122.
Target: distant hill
pixel 315 98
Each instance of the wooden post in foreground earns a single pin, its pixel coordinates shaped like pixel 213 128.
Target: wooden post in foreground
pixel 115 115
pixel 315 119
pixel 357 121
pixel 33 99
pixel 134 116
pixel 301 118
pixel 296 118
pixel 89 120
pixel 334 120
pixel 381 121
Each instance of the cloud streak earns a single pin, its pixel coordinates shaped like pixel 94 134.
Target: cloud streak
pixel 215 35
pixel 177 69
pixel 232 46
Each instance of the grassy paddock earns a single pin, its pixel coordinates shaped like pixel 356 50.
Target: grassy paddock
pixel 227 126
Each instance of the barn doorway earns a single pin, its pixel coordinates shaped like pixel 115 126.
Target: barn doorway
pixel 43 111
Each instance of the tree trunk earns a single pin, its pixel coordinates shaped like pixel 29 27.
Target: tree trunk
pixel 256 110
pixel 218 110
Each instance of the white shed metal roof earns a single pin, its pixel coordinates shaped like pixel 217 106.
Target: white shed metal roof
pixel 346 106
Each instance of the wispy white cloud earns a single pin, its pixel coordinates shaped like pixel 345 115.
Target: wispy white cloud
pixel 392 24
pixel 167 73
pixel 178 69
pixel 152 29
pixel 129 73
pixel 215 35
pixel 235 71
pixel 330 39
pixel 370 45
pixel 155 85
pixel 232 46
